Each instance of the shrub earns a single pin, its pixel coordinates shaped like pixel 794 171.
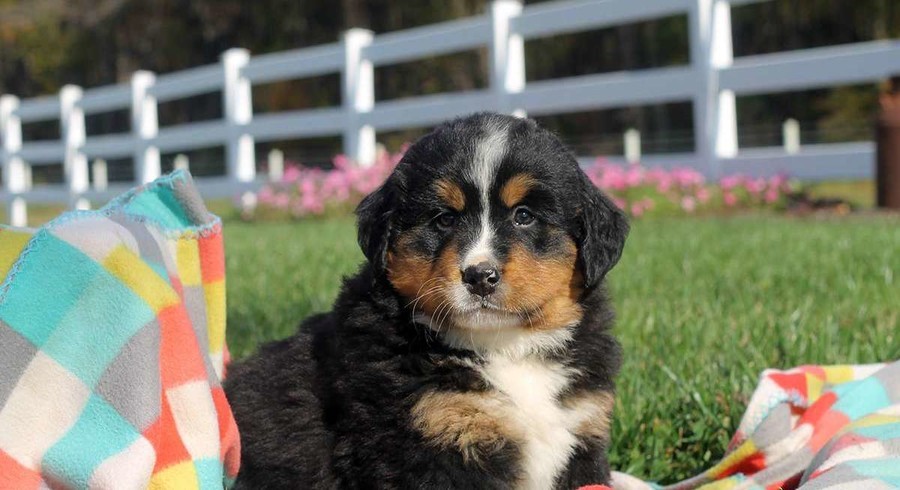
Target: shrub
pixel 305 191
pixel 639 191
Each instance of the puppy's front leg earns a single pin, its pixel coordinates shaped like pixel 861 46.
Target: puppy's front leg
pixel 477 445
pixel 591 412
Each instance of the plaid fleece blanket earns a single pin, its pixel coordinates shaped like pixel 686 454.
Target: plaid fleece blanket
pixel 813 428
pixel 112 345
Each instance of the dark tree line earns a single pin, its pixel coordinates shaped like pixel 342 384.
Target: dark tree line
pixel 45 44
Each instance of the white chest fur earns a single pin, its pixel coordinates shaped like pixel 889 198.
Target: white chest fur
pixel 532 387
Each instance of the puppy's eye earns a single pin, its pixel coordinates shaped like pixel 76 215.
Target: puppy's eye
pixel 445 220
pixel 523 217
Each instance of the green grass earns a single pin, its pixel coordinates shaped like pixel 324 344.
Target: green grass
pixel 857 192
pixel 704 305
pixel 278 273
pixel 38 214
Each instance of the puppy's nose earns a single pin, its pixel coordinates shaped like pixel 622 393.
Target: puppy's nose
pixel 481 279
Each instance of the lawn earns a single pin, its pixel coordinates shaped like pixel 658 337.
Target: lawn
pixel 704 305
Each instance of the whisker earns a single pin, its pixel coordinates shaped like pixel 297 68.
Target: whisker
pixel 449 313
pixel 533 307
pixel 429 292
pixel 496 335
pixel 432 315
pixel 448 310
pixel 424 295
pixel 423 286
pixel 530 323
pixel 436 315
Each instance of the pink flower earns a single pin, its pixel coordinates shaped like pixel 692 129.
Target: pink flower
pixel 665 183
pixel 306 191
pixel 634 176
pixel 637 209
pixel 341 162
pixel 729 198
pixel 731 181
pixel 702 194
pixel 291 173
pixel 265 195
pixel 310 203
pixel 778 180
pixel 281 200
pixel 612 177
pixel 686 177
pixel 755 186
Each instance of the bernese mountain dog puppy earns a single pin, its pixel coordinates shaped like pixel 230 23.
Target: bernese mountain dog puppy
pixel 471 350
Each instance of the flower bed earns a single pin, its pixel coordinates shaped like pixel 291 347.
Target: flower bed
pixel 639 190
pixel 304 192
pixel 307 192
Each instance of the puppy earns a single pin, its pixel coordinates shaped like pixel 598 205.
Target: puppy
pixel 471 350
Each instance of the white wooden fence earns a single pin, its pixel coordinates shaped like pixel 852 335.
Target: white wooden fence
pixel 711 82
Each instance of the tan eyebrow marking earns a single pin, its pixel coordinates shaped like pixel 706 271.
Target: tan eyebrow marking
pixel 516 188
pixel 451 194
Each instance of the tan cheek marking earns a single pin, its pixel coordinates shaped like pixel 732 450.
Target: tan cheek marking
pixel 515 189
pixel 593 411
pixel 451 194
pixel 547 288
pixel 413 275
pixel 470 422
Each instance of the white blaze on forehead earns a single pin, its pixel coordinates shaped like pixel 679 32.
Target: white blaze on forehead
pixel 489 152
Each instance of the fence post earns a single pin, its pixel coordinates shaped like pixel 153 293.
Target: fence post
pixel 276 165
pixel 358 97
pixel 100 173
pixel 14 173
pixel 181 162
pixel 722 56
pixel 507 56
pixel 237 100
pixel 632 144
pixel 715 112
pixel 75 162
pixel 790 135
pixel 144 127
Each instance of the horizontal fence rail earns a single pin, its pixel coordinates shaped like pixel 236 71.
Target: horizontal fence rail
pixel 710 81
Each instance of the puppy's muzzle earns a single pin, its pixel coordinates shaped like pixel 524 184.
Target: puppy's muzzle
pixel 481 279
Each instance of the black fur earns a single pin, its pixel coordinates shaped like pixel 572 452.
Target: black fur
pixel 330 406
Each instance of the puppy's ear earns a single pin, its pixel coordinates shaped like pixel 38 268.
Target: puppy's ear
pixel 604 228
pixel 374 217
